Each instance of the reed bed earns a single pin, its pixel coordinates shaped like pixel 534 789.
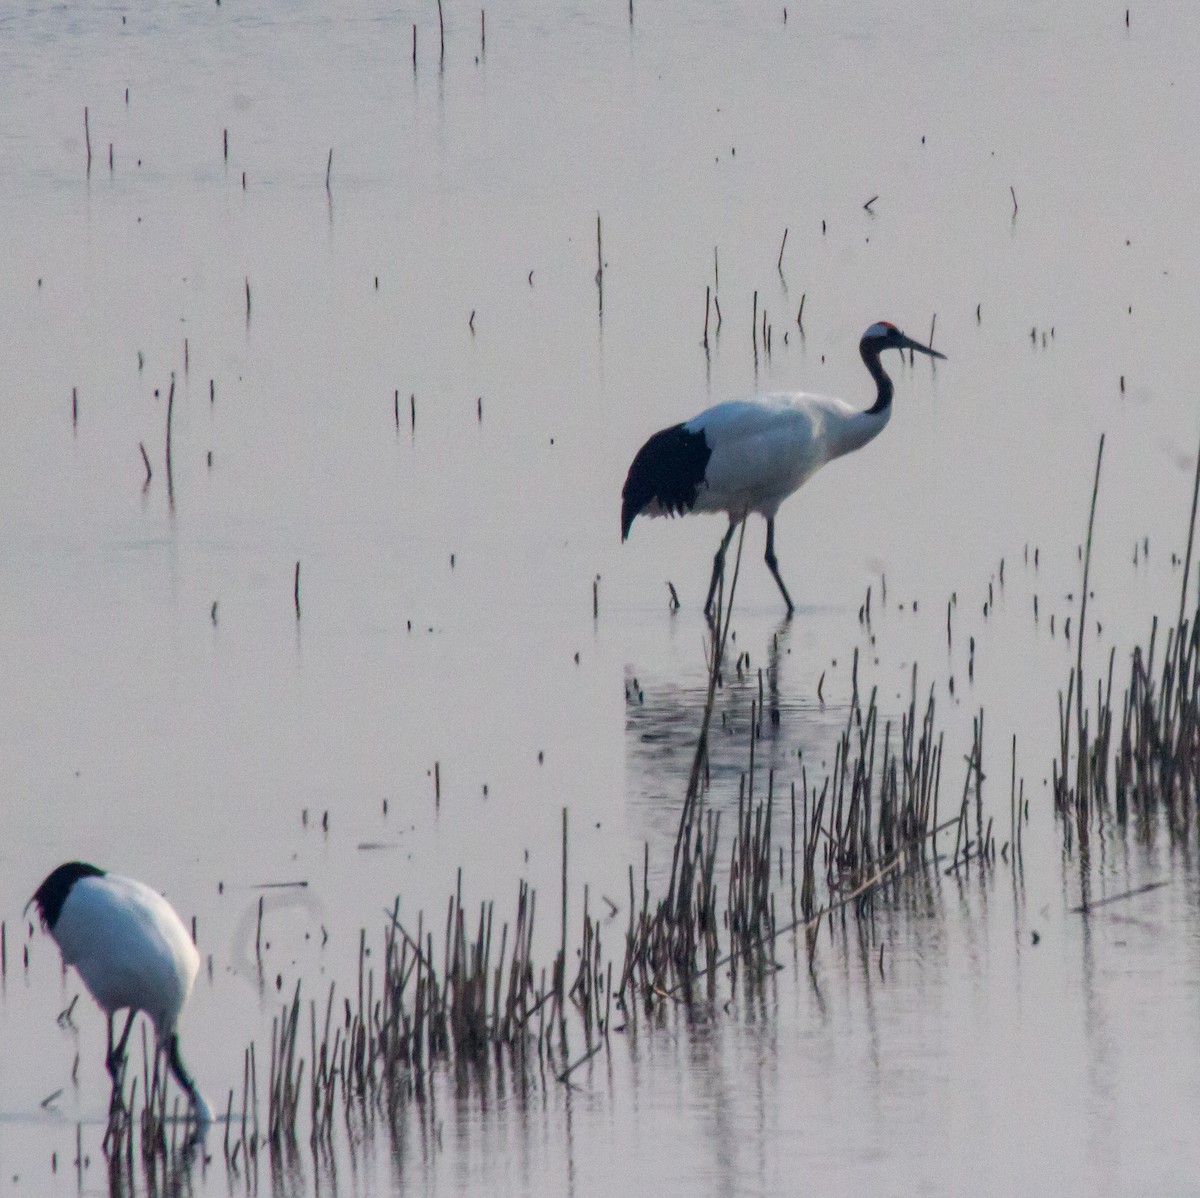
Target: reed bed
pixel 475 992
pixel 1147 767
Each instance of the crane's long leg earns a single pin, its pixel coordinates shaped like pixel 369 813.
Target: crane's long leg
pixel 718 566
pixel 773 565
pixel 199 1106
pixel 116 1056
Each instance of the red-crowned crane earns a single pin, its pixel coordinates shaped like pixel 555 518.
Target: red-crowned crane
pixel 132 952
pixel 749 455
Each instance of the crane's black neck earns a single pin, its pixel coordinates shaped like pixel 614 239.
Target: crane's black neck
pixel 52 893
pixel 883 399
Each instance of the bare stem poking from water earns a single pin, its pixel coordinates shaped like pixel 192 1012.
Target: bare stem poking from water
pixel 87 139
pixel 328 170
pixel 1086 763
pixel 441 35
pixel 170 412
pixel 1087 564
pixel 296 591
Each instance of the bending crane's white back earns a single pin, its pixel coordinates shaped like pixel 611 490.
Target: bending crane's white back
pixel 129 946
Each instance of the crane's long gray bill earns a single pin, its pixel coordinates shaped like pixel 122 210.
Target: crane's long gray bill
pixel 909 343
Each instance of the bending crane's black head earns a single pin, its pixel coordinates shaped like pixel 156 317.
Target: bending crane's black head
pixel 884 335
pixel 52 893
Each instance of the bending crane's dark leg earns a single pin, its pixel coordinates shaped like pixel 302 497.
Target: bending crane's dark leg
pixel 718 566
pixel 198 1106
pixel 773 565
pixel 116 1055
pixel 175 1061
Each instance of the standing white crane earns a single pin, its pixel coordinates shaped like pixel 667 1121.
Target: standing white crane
pixel 132 952
pixel 749 455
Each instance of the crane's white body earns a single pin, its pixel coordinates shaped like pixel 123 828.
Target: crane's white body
pixel 133 953
pixel 129 947
pixel 766 448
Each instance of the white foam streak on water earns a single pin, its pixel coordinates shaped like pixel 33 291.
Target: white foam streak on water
pixel 136 732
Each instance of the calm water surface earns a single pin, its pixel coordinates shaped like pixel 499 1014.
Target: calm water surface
pixel 165 713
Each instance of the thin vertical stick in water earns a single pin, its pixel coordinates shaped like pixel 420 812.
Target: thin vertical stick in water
pixel 599 252
pixel 779 264
pixel 74 407
pixel 754 325
pixel 247 299
pixel 296 591
pixel 1187 561
pixel 170 411
pixel 564 890
pixel 482 33
pixel 145 462
pixel 441 33
pixel 328 168
pixel 1012 802
pixel 1087 561
pixel 414 56
pixel 87 138
pixel 1013 192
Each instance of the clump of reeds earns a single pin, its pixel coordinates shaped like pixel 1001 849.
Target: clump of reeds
pixel 1152 767
pixel 150 1129
pixel 870 817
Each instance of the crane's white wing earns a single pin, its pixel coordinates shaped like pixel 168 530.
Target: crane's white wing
pixel 764 448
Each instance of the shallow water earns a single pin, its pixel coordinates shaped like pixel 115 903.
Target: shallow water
pixel 448 560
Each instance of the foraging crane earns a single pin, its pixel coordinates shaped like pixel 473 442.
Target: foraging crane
pixel 749 455
pixel 131 950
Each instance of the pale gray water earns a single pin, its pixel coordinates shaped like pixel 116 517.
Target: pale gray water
pixel 135 732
